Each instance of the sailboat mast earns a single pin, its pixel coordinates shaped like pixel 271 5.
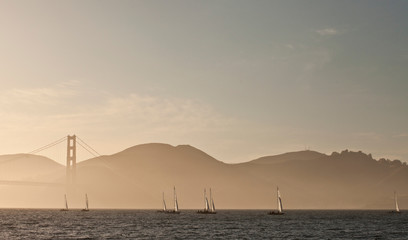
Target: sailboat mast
pixel 212 202
pixel 164 203
pixel 205 200
pixel 396 202
pixel 175 200
pixel 280 204
pixel 66 202
pixel 86 201
pixel 210 199
pixel 279 200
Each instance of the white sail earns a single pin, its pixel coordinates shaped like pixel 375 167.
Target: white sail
pixel 66 202
pixel 279 201
pixel 396 202
pixel 164 204
pixel 280 205
pixel 175 201
pixel 206 205
pixel 86 202
pixel 212 202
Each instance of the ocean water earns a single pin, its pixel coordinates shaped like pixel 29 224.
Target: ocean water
pixel 226 224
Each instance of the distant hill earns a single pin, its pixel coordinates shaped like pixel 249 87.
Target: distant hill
pixel 137 176
pixel 28 167
pixel 341 180
pixel 287 157
pixel 147 170
pixel 33 169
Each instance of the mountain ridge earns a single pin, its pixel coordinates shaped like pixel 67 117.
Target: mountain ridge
pixel 288 156
pixel 136 177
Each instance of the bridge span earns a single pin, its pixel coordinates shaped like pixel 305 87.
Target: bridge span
pixel 71 162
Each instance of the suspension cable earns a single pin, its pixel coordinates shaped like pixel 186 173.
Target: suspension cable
pixel 97 154
pixel 48 145
pixel 79 143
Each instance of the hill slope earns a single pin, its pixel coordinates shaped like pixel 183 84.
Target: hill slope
pixel 24 167
pixel 29 168
pixel 137 176
pixel 341 180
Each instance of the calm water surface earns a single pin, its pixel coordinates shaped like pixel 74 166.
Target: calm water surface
pixel 226 224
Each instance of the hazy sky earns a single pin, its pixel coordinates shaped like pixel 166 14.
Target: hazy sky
pixel 237 79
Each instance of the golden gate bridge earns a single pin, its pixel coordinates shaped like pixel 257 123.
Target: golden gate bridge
pixel 71 162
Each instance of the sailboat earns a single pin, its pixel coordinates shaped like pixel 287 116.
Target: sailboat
pixel 209 208
pixel 206 204
pixel 86 209
pixel 176 208
pixel 164 206
pixel 279 203
pixel 66 204
pixel 212 204
pixel 397 210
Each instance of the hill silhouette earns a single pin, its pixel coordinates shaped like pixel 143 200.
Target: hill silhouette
pixel 25 167
pixel 137 176
pixel 33 169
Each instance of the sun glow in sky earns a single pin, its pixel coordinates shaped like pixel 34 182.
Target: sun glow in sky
pixel 236 79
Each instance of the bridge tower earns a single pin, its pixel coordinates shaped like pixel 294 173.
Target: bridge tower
pixel 71 160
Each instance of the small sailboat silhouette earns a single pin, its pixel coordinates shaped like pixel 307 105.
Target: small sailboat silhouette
pixel 66 204
pixel 279 204
pixel 397 210
pixel 86 209
pixel 209 207
pixel 212 204
pixel 164 206
pixel 176 208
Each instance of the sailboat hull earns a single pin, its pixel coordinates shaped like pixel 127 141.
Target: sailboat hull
pixel 395 212
pixel 168 211
pixel 172 212
pixel 206 212
pixel 275 213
